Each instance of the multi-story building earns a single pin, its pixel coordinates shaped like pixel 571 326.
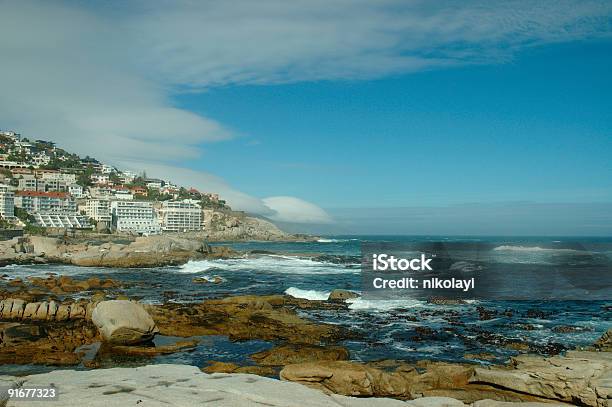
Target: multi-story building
pixel 41 158
pixel 45 202
pixel 31 183
pixel 97 209
pixel 28 182
pixel 100 178
pixel 66 178
pixel 7 202
pixel 180 216
pixel 76 191
pixel 134 217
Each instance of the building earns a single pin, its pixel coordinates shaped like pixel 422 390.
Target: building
pixel 100 178
pixel 28 182
pixel 134 217
pixel 31 183
pixel 180 216
pixel 7 202
pixel 45 202
pixel 154 183
pixel 97 209
pixel 66 178
pixel 39 159
pixel 76 191
pixel 59 220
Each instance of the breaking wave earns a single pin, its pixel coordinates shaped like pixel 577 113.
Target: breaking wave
pixel 270 263
pixel 313 295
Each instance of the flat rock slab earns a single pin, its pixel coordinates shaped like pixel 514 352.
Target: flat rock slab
pixel 183 385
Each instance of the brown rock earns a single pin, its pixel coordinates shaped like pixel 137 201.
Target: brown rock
pixel 341 295
pixel 220 367
pixel 290 354
pixel 350 379
pixel 605 342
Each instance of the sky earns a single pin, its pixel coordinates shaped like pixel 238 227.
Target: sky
pixel 404 117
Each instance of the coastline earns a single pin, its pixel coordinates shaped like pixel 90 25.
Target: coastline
pixel 47 321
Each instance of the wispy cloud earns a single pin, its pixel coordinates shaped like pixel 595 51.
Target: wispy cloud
pixel 100 77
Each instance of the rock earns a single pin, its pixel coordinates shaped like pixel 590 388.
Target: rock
pixel 568 329
pixel 52 310
pixel 289 354
pixel 341 295
pixel 579 377
pixel 181 385
pixel 154 350
pixel 42 311
pixel 351 379
pixel 243 318
pixel 605 342
pixel 123 322
pixel 445 301
pixel 63 312
pixel 17 308
pixel 220 367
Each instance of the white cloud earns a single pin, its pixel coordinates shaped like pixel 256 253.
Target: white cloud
pixel 98 78
pixel 295 210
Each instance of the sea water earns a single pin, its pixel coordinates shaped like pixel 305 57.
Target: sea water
pixel 386 329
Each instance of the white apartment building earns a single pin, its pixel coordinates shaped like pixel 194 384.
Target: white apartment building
pixel 40 159
pixel 76 191
pixel 31 183
pixel 134 217
pixel 7 202
pixel 97 209
pixel 45 202
pixel 180 216
pixel 100 178
pixel 123 195
pixel 66 178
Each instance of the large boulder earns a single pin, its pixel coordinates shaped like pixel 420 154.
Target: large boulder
pixel 578 377
pixel 123 322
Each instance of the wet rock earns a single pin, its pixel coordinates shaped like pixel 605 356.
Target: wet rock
pixel 342 295
pixel 568 329
pixel 605 342
pixel 123 322
pixel 289 354
pixel 220 367
pixel 445 301
pixel 243 318
pixel 485 314
pixel 480 356
pixel 154 350
pixel 225 367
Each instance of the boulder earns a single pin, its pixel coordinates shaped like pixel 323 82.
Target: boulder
pixel 342 295
pixel 350 379
pixel 123 322
pixel 605 342
pixel 579 377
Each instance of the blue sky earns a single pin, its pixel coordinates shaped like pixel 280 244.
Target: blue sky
pixel 538 128
pixel 352 116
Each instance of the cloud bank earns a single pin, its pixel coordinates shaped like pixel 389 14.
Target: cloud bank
pixel 99 78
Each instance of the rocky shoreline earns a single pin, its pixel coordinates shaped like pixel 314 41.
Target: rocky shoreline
pixel 40 323
pixel 108 251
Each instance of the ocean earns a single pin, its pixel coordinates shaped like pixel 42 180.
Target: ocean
pixel 481 331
